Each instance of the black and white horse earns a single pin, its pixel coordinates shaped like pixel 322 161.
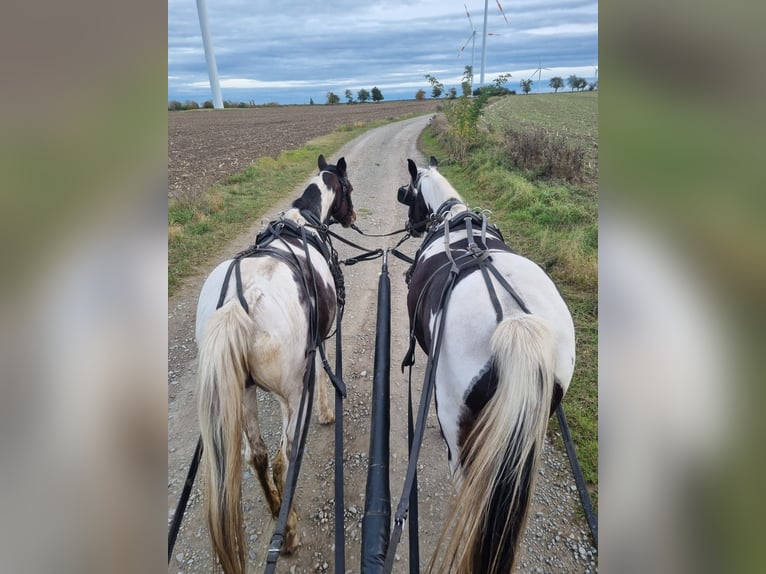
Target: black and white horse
pixel 501 341
pixel 258 326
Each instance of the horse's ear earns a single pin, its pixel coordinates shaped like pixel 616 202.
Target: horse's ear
pixel 413 169
pixel 341 165
pixel 322 163
pixel 433 162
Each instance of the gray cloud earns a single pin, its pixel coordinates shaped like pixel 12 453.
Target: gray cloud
pixel 351 45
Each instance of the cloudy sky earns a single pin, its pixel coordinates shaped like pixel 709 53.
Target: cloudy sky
pixel 289 52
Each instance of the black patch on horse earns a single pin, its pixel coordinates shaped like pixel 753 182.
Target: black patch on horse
pixel 310 201
pixel 481 389
pixel 558 394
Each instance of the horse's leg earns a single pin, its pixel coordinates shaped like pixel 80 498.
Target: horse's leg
pixel 256 453
pixel 324 390
pixel 280 466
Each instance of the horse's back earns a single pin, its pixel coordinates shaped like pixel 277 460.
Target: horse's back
pixel 534 288
pixel 208 298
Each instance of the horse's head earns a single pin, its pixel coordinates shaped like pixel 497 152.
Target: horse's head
pixel 412 196
pixel 335 178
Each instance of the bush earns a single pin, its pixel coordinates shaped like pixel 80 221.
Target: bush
pixel 208 104
pixel 463 117
pixel 420 95
pixel 546 156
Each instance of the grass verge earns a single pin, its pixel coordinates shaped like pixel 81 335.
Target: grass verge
pixel 555 225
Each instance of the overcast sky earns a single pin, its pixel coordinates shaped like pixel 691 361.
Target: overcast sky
pixel 289 52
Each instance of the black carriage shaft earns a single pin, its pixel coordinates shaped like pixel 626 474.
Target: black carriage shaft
pixel 376 525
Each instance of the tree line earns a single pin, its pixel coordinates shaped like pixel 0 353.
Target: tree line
pixel 496 88
pixel 557 82
pixel 361 96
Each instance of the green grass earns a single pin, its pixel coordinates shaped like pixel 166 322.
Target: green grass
pixel 573 116
pixel 199 226
pixel 555 225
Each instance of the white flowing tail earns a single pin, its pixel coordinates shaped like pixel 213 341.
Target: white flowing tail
pixel 222 373
pixel 500 457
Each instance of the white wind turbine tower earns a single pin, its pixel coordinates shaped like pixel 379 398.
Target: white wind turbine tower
pixel 484 38
pixel 539 72
pixel 212 69
pixel 472 39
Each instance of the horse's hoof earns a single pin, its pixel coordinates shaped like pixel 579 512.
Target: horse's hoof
pixel 325 419
pixel 291 544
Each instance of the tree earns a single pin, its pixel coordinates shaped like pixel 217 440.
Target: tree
pixel 467 84
pixel 349 97
pixel 593 86
pixel 311 101
pixel 572 81
pixel 557 82
pixel 436 86
pixel 526 86
pixel 377 95
pixel 332 98
pixel 363 95
pixel 420 95
pixel 174 106
pixel 582 83
pixel 501 80
pixel 452 93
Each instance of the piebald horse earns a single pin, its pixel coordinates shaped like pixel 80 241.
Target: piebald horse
pixel 502 342
pixel 258 327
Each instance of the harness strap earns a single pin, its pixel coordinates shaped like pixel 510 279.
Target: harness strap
pixel 340 533
pixel 234 265
pixel 240 292
pixel 296 457
pixel 425 400
pixel 360 232
pixel 184 499
pixel 511 290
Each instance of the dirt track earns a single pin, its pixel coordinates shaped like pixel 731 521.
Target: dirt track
pixel 556 540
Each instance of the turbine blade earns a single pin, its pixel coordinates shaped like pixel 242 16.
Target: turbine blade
pixel 466 43
pixel 501 10
pixel 467 13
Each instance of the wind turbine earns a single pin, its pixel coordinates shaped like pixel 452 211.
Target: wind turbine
pixel 472 39
pixel 212 69
pixel 539 72
pixel 484 38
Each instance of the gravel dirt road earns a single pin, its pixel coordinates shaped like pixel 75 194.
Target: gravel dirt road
pixel 556 539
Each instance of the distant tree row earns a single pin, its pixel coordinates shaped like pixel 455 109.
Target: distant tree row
pixel 497 88
pixel 574 82
pixel 175 105
pixel 361 96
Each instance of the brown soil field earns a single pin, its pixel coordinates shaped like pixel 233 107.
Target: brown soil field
pixel 205 146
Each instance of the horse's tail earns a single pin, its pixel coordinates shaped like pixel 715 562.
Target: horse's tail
pixel 222 373
pixel 500 457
